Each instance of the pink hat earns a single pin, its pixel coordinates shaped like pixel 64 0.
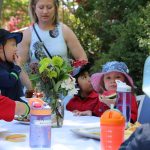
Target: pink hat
pixel 97 78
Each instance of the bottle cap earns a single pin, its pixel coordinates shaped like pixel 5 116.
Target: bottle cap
pixel 112 117
pixel 39 107
pixel 122 86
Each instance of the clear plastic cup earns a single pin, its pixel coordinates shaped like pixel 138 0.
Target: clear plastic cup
pixel 123 102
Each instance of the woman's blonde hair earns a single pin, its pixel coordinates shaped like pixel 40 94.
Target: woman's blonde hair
pixel 32 4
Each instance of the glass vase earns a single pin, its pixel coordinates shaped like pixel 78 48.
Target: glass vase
pixel 57 115
pixel 57 111
pixel 55 101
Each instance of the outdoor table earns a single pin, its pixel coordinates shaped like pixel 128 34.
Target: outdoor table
pixel 61 138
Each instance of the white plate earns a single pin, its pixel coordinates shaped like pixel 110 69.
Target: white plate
pixel 94 133
pixel 23 122
pixel 88 132
pixel 20 120
pixel 3 129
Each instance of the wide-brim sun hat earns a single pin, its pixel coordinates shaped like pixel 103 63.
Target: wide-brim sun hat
pixel 113 66
pixel 5 35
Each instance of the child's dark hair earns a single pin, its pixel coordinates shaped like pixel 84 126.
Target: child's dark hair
pixel 79 71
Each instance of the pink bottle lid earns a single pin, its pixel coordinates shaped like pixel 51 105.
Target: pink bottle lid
pixel 39 107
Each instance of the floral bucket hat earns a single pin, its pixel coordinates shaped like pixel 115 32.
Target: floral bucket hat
pixel 113 66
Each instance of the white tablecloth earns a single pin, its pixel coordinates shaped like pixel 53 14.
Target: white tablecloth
pixel 62 138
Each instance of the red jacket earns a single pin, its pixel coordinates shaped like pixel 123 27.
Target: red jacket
pixel 90 103
pixel 93 103
pixel 7 108
pixel 134 109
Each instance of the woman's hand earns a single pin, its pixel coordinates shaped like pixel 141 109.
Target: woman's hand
pixel 82 113
pixel 107 100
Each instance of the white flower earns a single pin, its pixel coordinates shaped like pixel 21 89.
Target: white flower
pixel 73 91
pixel 69 85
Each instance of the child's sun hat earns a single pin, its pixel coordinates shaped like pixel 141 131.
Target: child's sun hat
pixel 5 35
pixel 80 67
pixel 113 66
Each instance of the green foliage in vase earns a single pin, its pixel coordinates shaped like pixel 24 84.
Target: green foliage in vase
pixel 52 76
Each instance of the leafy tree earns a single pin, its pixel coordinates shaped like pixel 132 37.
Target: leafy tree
pixel 16 9
pixel 145 40
pixel 122 27
pixel 1 2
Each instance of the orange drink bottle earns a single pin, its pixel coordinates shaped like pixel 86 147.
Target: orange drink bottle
pixel 112 125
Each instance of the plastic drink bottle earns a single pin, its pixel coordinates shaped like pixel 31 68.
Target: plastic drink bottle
pixel 40 124
pixel 112 125
pixel 123 102
pixel 146 77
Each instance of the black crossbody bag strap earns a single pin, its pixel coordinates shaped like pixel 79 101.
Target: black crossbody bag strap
pixel 42 42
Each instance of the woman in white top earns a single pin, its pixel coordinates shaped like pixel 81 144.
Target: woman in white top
pixel 56 37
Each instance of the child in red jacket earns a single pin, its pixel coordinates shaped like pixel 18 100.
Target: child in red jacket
pixel 86 101
pixel 104 83
pixel 9 108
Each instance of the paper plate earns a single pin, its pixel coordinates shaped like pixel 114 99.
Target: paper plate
pixel 94 133
pixel 3 129
pixel 88 132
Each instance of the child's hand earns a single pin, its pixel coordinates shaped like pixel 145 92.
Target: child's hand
pixel 20 108
pixel 17 60
pixel 107 101
pixel 82 113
